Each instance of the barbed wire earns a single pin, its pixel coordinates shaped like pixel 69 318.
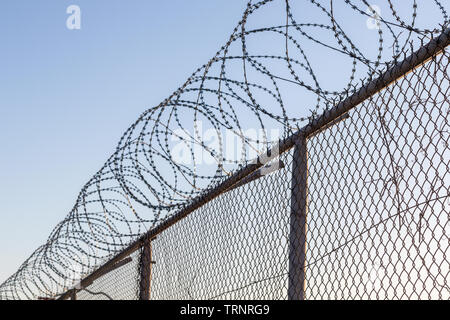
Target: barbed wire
pixel 271 74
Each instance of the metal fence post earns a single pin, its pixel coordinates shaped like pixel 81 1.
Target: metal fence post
pixel 145 268
pixel 298 221
pixel 73 295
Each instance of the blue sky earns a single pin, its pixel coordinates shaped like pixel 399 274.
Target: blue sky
pixel 68 95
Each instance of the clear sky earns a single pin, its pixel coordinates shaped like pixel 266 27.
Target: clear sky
pixel 66 96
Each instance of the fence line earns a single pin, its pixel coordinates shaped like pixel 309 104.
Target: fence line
pixel 296 280
pixel 351 202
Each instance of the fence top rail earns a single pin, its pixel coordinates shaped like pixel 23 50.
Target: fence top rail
pixel 398 70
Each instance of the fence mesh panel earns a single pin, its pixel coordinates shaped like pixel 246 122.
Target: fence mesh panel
pixel 121 283
pixel 233 247
pixel 378 216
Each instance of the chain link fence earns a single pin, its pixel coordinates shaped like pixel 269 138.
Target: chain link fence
pixel 378 188
pixel 349 201
pixel 358 209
